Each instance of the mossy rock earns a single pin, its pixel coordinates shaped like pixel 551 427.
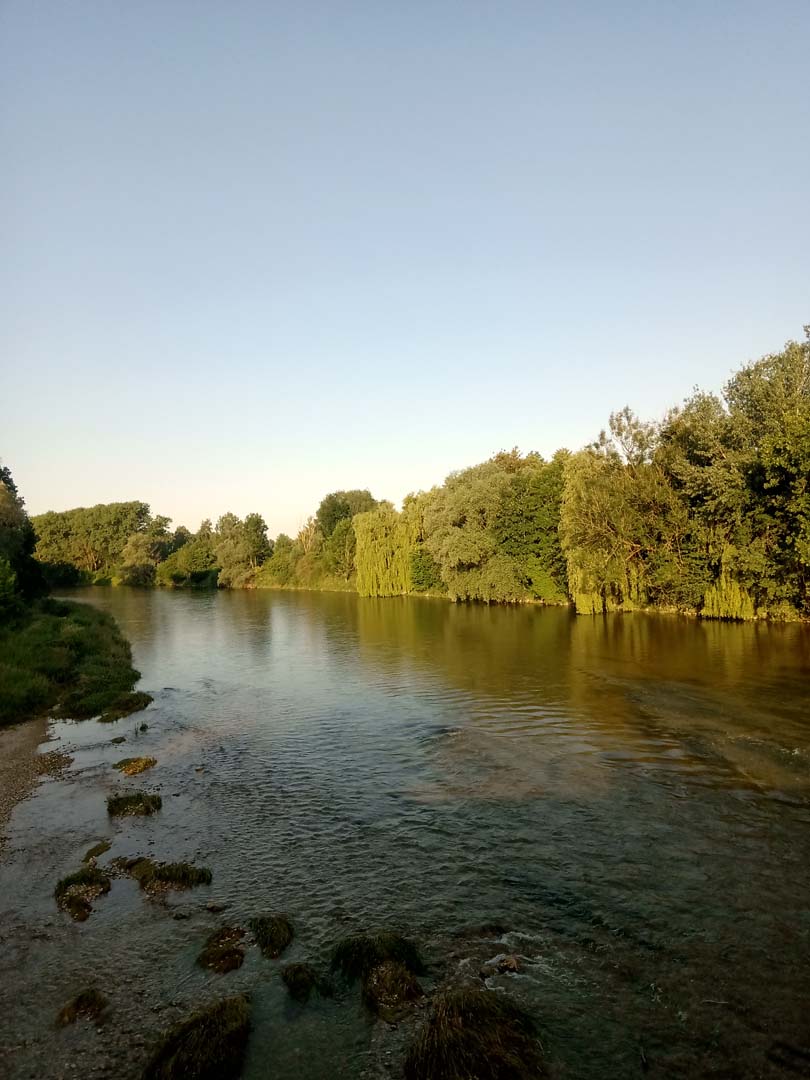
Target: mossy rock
pixel 389 988
pixel 223 950
pixel 125 705
pixel 209 1045
pixel 475 1033
pixel 357 955
pixel 273 933
pixel 138 804
pixel 132 766
pixel 159 877
pixel 75 893
pixel 97 849
pixel 89 1004
pixel 302 981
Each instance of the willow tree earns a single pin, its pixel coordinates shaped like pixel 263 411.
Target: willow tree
pixel 386 541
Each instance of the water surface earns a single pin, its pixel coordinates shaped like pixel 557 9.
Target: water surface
pixel 629 795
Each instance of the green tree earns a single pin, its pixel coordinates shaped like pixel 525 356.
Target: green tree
pixel 340 505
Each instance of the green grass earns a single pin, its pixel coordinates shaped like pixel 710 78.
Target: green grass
pixel 66 658
pixel 209 1045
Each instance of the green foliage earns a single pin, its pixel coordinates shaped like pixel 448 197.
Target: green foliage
pixel 340 506
pixel 425 573
pixel 68 658
pixel 20 575
pixel 385 544
pixel 89 539
pixel 340 548
pixel 240 548
pixel 193 564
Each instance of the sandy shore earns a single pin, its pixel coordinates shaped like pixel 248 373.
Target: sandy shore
pixel 19 765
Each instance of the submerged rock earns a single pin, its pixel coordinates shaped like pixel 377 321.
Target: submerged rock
pixel 357 955
pixel 223 950
pixel 131 766
pixel 475 1033
pixel 89 1004
pixel 209 1045
pixel 302 980
pixel 273 933
pixel 75 893
pixel 139 804
pixel 389 988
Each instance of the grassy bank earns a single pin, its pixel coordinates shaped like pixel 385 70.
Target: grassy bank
pixel 67 658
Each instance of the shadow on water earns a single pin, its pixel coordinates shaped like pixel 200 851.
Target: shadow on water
pixel 629 796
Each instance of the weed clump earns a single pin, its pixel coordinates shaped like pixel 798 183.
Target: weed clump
pixel 209 1045
pixel 301 980
pixel 89 1004
pixel 96 850
pixel 475 1033
pixel 125 705
pixel 357 955
pixel 75 893
pixel 273 933
pixel 389 988
pixel 131 766
pixel 223 951
pixel 160 877
pixel 139 804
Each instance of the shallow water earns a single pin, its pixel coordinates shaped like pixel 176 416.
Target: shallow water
pixel 630 796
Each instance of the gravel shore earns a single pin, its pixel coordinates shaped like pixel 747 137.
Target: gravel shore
pixel 20 765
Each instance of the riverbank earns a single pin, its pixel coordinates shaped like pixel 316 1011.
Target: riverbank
pixel 19 767
pixel 67 659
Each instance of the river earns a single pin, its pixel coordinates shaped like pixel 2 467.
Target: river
pixel 629 796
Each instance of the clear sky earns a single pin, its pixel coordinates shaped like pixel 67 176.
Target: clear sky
pixel 257 251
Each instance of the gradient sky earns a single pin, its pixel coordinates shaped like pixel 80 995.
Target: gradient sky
pixel 257 251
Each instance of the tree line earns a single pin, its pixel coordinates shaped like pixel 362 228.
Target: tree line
pixel 706 512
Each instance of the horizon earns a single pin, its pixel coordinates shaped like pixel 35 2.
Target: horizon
pixel 259 255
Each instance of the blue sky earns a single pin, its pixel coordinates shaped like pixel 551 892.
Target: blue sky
pixel 254 252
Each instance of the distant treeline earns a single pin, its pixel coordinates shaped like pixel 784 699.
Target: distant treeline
pixel 706 512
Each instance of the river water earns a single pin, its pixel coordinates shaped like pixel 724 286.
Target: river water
pixel 628 796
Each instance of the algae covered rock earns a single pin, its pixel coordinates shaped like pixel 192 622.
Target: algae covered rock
pixel 88 1004
pixel 301 981
pixel 475 1033
pixel 96 850
pixel 223 950
pixel 273 933
pixel 209 1045
pixel 358 954
pixel 136 804
pixel 76 892
pixel 132 766
pixel 389 988
pixel 156 877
